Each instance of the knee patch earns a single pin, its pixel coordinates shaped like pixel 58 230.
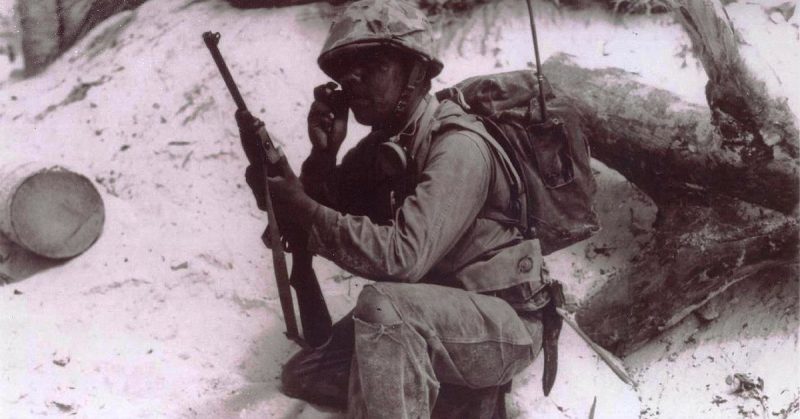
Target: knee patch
pixel 375 307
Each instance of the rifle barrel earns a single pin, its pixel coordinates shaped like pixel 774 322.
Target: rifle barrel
pixel 212 39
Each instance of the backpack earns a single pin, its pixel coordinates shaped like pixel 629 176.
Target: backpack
pixel 554 192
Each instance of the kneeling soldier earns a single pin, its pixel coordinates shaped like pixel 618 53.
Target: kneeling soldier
pixel 422 209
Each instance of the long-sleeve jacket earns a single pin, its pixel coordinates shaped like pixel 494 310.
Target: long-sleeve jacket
pixel 447 220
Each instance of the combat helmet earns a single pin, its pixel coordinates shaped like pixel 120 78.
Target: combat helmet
pixel 371 23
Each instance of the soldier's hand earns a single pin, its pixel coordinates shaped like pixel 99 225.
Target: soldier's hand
pixel 248 134
pixel 254 176
pixel 327 118
pixel 291 204
pixel 290 199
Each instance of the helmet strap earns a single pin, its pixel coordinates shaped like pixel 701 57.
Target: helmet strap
pixel 415 79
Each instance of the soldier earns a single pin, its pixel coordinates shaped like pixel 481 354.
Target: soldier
pixel 424 210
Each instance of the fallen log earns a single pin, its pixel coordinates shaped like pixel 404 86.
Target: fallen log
pixel 49 210
pixel 714 225
pixel 670 148
pixel 697 252
pixel 724 178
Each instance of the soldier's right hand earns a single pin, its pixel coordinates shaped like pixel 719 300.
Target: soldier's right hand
pixel 327 118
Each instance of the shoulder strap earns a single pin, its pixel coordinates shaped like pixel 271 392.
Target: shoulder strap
pixel 451 118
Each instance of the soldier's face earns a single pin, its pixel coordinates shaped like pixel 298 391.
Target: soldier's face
pixel 372 82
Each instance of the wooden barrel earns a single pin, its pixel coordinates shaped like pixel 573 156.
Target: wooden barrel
pixel 48 209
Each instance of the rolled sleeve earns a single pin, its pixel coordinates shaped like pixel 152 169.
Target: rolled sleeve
pixel 453 187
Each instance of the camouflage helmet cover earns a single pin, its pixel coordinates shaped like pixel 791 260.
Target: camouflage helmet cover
pixel 370 23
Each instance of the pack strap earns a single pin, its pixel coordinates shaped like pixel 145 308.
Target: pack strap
pixel 476 126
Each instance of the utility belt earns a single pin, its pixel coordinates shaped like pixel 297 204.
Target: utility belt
pixel 524 297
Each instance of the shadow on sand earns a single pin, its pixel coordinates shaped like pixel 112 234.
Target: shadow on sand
pixel 17 263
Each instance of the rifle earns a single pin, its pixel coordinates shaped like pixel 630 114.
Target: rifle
pixel 314 315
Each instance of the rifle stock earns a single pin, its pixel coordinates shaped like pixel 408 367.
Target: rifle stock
pixel 314 315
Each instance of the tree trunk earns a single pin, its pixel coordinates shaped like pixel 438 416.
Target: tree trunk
pixel 49 27
pixel 39 24
pixel 725 181
pixel 50 211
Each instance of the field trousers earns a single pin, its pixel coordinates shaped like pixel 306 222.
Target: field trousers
pixel 417 351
